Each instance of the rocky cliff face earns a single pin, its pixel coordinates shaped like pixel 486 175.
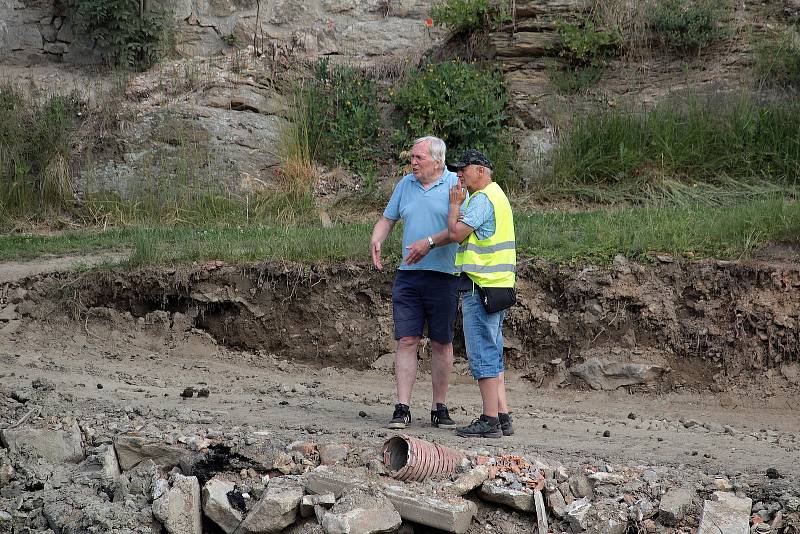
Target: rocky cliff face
pixel 212 114
pixel 40 31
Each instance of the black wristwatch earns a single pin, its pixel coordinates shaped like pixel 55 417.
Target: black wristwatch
pixel 430 242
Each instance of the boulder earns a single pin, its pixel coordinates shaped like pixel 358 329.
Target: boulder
pixel 578 514
pixel 361 512
pixel 132 450
pixel 384 363
pixel 101 465
pixel 217 507
pixel 309 502
pixel 673 506
pixel 468 481
pixel 604 375
pixel 56 446
pixel 9 313
pixel 556 503
pixel 277 508
pixel 332 453
pixel 725 513
pixel 176 504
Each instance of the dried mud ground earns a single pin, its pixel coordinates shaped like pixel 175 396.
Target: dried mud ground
pixel 108 364
pixel 136 380
pixel 298 353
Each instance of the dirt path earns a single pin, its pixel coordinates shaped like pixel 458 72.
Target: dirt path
pixel 142 376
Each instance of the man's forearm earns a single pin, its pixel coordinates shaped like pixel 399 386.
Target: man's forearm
pixel 452 221
pixel 382 229
pixel 441 238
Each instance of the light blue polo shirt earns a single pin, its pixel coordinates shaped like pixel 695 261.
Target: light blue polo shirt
pixel 424 213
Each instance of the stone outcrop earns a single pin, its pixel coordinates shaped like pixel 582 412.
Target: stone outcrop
pixel 41 32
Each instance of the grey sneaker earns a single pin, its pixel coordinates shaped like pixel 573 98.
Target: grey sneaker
pixel 441 417
pixel 506 424
pixel 483 427
pixel 401 416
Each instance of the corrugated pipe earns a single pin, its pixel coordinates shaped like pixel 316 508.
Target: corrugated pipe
pixel 409 458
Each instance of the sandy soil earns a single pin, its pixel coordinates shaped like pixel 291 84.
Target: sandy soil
pixel 727 433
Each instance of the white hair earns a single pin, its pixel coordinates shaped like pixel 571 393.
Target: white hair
pixel 436 148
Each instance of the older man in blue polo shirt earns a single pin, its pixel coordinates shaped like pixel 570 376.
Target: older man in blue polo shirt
pixel 425 289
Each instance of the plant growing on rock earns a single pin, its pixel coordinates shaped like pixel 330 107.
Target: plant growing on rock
pixel 35 145
pixel 463 17
pixel 341 120
pixel 462 103
pixel 585 49
pixel 778 60
pixel 686 26
pixel 585 45
pixel 131 34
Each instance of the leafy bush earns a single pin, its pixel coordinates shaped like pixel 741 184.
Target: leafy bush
pixel 341 103
pixel 35 145
pixel 130 36
pixel 467 16
pixel 778 60
pixel 585 48
pixel 584 45
pixel 463 104
pixel 686 26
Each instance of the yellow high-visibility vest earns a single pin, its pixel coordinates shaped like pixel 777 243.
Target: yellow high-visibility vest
pixel 491 262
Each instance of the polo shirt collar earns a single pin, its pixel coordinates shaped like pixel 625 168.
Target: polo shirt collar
pixel 436 182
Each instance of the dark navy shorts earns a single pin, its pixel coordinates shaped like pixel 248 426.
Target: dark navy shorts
pixel 425 297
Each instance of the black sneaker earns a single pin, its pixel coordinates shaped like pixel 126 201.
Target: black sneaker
pixel 483 427
pixel 441 418
pixel 505 424
pixel 401 416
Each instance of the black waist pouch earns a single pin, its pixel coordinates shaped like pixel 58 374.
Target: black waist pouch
pixel 496 299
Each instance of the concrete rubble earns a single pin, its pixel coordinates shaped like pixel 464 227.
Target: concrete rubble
pixel 176 504
pixel 218 508
pixel 71 476
pixel 726 513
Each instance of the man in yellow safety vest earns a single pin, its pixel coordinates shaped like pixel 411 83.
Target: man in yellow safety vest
pixel 487 261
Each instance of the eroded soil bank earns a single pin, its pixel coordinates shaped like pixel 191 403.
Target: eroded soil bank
pixel 716 324
pixel 291 358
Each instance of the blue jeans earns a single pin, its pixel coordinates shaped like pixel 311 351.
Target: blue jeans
pixel 483 336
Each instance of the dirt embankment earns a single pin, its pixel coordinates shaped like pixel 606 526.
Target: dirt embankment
pixel 707 323
pixel 96 366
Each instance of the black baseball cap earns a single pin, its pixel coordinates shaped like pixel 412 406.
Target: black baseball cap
pixel 470 157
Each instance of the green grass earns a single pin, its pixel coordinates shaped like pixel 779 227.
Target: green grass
pixel 694 140
pixel 159 246
pixel 725 232
pixel 698 230
pixel 777 61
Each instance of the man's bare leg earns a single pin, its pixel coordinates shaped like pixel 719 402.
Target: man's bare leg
pixel 502 401
pixel 441 369
pixel 489 389
pixel 405 367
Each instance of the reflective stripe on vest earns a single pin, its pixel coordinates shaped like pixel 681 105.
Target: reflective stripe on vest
pixel 508 245
pixel 491 262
